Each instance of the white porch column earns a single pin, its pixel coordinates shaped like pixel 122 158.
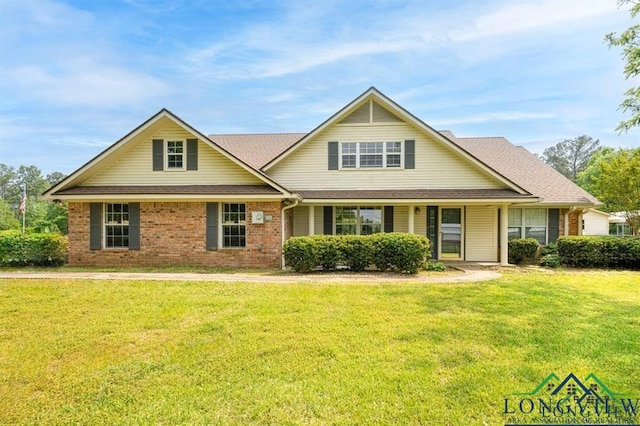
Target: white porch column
pixel 504 234
pixel 411 221
pixel 312 220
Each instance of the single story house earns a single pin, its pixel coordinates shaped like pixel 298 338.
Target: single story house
pixel 167 193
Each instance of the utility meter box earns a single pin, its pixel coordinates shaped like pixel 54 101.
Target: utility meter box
pixel 257 217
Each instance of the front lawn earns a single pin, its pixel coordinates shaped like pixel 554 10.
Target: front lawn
pixel 148 352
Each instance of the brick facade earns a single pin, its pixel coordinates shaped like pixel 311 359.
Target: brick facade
pixel 575 222
pixel 174 233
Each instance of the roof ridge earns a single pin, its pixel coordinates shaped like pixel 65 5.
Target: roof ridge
pixel 255 134
pixel 481 137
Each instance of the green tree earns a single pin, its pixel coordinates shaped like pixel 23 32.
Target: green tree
pixel 7 218
pixel 41 215
pixel 571 156
pixel 586 178
pixel 617 183
pixel 629 40
pixel 55 177
pixel 7 178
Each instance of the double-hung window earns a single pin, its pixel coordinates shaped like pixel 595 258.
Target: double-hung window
pixel 116 225
pixel 358 220
pixel 371 155
pixel 528 223
pixel 234 220
pixel 175 155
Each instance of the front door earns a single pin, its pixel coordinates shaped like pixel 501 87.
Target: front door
pixel 451 233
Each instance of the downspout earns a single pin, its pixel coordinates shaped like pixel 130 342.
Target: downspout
pixel 295 203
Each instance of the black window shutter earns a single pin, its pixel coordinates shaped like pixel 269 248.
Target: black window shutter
pixel 333 155
pixel 95 226
pixel 134 226
pixel 554 225
pixel 388 218
pixel 212 226
pixel 410 154
pixel 192 154
pixel 327 220
pixel 432 229
pixel 158 155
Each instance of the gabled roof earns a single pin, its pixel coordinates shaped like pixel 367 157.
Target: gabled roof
pixel 77 176
pixel 526 172
pixel 394 108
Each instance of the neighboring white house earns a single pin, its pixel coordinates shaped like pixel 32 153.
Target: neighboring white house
pixel 595 222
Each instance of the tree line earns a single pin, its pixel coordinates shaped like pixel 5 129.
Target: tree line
pixel 40 215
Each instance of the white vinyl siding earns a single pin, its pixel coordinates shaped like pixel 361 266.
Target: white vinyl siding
pixel 436 166
pixel 401 219
pixel 481 234
pixel 420 221
pixel 135 166
pixel 301 221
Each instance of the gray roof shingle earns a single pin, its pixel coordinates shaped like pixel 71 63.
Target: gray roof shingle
pixel 525 170
pixel 257 149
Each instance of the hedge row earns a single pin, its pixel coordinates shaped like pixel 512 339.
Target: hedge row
pixel 521 249
pixel 397 252
pixel 599 252
pixel 32 249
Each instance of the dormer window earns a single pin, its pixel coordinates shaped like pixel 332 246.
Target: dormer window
pixel 175 155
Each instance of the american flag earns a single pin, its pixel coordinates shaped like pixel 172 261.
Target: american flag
pixel 23 202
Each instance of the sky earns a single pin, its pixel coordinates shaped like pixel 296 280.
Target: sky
pixel 76 76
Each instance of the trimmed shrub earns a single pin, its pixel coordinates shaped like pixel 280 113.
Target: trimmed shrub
pixel 521 249
pixel 551 248
pixel 400 252
pixel 32 249
pixel 301 253
pixel 328 251
pixel 550 261
pixel 357 251
pixel 431 265
pixel 599 252
pixel 393 251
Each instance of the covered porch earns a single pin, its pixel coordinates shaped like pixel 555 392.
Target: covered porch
pixel 466 228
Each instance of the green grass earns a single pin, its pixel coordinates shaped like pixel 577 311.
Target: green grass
pixel 146 352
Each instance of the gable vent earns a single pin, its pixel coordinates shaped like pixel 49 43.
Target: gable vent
pixel 370 112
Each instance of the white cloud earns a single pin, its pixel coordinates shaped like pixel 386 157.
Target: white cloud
pixel 494 116
pixel 519 17
pixel 87 83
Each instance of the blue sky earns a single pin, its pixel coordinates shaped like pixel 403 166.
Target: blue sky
pixel 75 76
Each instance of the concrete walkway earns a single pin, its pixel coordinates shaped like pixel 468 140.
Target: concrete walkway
pixel 470 272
